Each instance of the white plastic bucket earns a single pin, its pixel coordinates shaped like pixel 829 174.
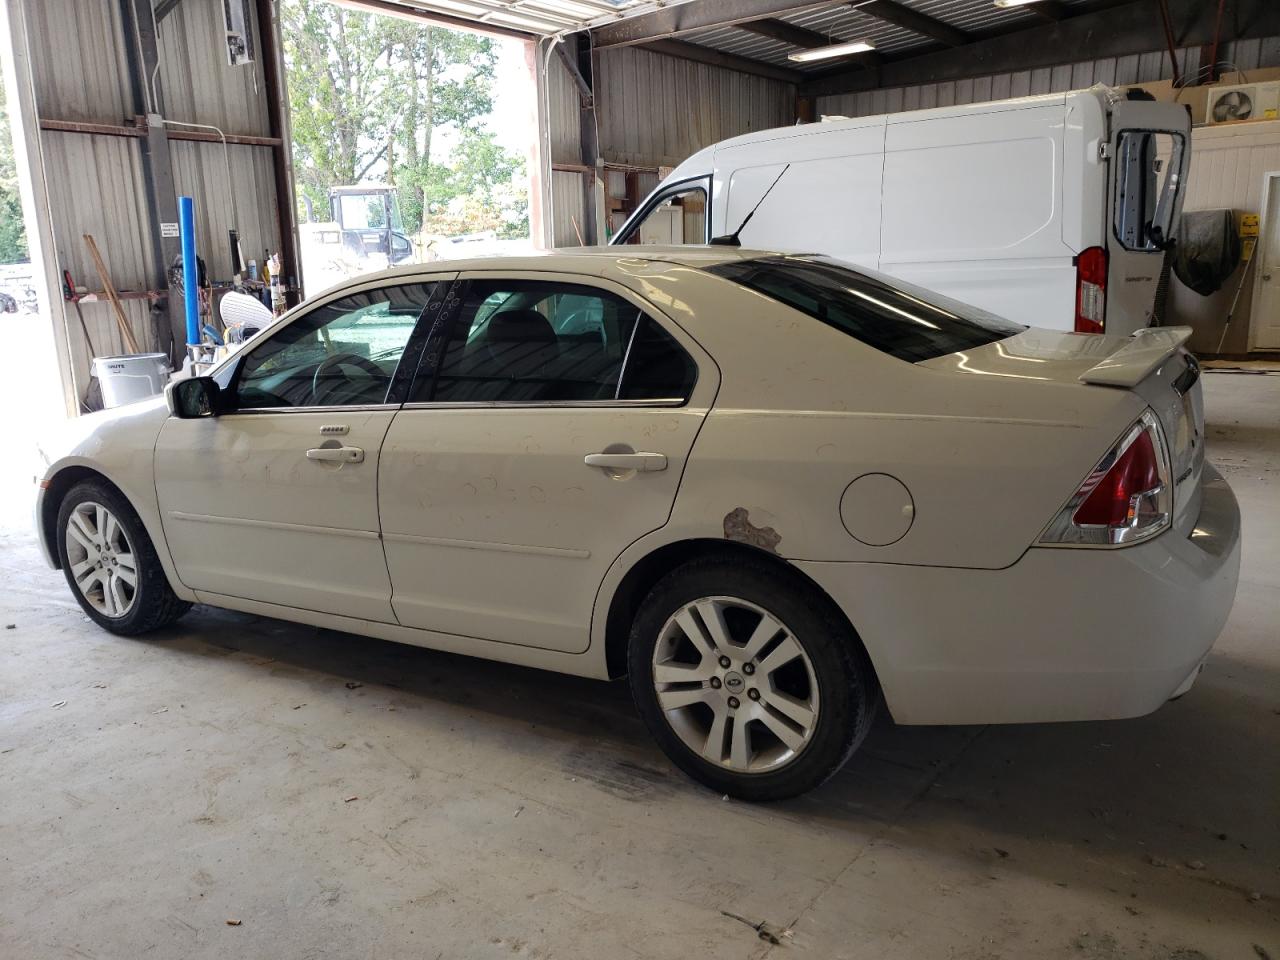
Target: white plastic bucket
pixel 130 378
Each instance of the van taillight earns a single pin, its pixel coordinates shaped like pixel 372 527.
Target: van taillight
pixel 1091 290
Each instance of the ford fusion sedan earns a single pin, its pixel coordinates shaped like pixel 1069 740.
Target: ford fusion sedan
pixel 775 491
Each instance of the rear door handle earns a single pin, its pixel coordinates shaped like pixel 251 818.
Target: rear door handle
pixel 340 454
pixel 627 461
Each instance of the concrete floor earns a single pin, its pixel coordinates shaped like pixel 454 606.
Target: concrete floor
pixel 343 797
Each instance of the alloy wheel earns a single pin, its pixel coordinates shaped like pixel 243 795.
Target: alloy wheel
pixel 735 685
pixel 101 559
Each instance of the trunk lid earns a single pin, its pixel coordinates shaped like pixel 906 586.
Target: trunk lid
pixel 1153 364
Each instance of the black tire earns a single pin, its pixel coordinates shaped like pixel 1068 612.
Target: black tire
pixel 153 604
pixel 849 695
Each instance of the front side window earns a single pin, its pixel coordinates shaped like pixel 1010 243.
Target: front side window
pixel 530 341
pixel 897 318
pixel 1147 172
pixel 341 353
pixel 680 218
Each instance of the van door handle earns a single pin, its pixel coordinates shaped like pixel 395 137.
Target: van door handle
pixel 339 454
pixel 644 462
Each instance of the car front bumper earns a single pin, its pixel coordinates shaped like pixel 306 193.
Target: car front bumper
pixel 1063 634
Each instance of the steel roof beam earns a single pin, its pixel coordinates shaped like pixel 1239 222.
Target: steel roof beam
pixel 1115 31
pixel 718 58
pixel 787 33
pixel 1050 9
pixel 902 16
pixel 669 22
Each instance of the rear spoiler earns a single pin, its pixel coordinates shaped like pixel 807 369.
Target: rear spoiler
pixel 1141 354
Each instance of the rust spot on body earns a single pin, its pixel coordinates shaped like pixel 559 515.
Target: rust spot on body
pixel 738 526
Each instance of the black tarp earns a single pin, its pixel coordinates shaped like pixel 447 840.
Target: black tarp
pixel 1208 249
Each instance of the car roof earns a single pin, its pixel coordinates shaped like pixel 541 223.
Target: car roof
pixel 587 260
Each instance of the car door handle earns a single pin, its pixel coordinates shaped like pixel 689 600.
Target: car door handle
pixel 340 454
pixel 627 461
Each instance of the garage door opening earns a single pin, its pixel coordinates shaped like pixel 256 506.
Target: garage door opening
pixel 412 142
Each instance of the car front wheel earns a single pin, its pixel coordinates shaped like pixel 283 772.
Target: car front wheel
pixel 111 564
pixel 750 681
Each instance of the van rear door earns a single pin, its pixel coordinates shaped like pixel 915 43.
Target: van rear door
pixel 1150 154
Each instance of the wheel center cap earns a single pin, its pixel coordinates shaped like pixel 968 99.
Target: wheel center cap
pixel 734 683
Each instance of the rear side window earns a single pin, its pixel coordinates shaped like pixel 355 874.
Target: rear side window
pixel 897 318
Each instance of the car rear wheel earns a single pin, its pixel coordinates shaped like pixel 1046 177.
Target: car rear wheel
pixel 751 682
pixel 111 564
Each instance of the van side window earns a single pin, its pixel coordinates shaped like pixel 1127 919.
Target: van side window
pixel 680 218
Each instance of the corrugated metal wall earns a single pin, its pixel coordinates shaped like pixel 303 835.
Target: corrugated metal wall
pixel 568 207
pixel 81 72
pixel 563 114
pixel 652 111
pixel 95 182
pixel 655 110
pixel 1140 68
pixel 197 84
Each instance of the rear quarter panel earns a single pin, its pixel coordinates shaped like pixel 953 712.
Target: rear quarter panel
pixel 803 410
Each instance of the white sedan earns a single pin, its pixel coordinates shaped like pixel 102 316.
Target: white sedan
pixel 774 490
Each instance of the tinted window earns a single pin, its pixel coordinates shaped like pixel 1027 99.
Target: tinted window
pixel 897 318
pixel 341 353
pixel 657 367
pixel 522 341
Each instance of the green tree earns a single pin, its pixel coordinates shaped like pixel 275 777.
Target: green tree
pixel 369 95
pixel 13 235
pixel 339 64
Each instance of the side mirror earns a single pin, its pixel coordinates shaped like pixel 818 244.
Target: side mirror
pixel 194 398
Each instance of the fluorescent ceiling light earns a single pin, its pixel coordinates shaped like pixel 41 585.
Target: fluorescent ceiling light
pixel 1005 4
pixel 835 50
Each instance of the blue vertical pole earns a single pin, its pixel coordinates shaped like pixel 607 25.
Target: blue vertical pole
pixel 190 274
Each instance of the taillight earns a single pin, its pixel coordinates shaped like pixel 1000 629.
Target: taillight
pixel 1127 496
pixel 1091 290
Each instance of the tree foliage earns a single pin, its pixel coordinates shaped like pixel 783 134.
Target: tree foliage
pixel 375 97
pixel 13 236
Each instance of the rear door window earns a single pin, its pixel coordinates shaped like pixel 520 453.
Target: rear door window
pixel 1147 166
pixel 897 318
pixel 533 342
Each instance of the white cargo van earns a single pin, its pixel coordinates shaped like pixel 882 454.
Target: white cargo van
pixel 1051 210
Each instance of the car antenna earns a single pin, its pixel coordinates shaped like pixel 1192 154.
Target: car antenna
pixel 731 240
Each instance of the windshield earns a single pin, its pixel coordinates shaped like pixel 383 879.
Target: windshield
pixel 363 211
pixel 897 318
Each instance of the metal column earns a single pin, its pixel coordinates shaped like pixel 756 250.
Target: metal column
pixel 157 165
